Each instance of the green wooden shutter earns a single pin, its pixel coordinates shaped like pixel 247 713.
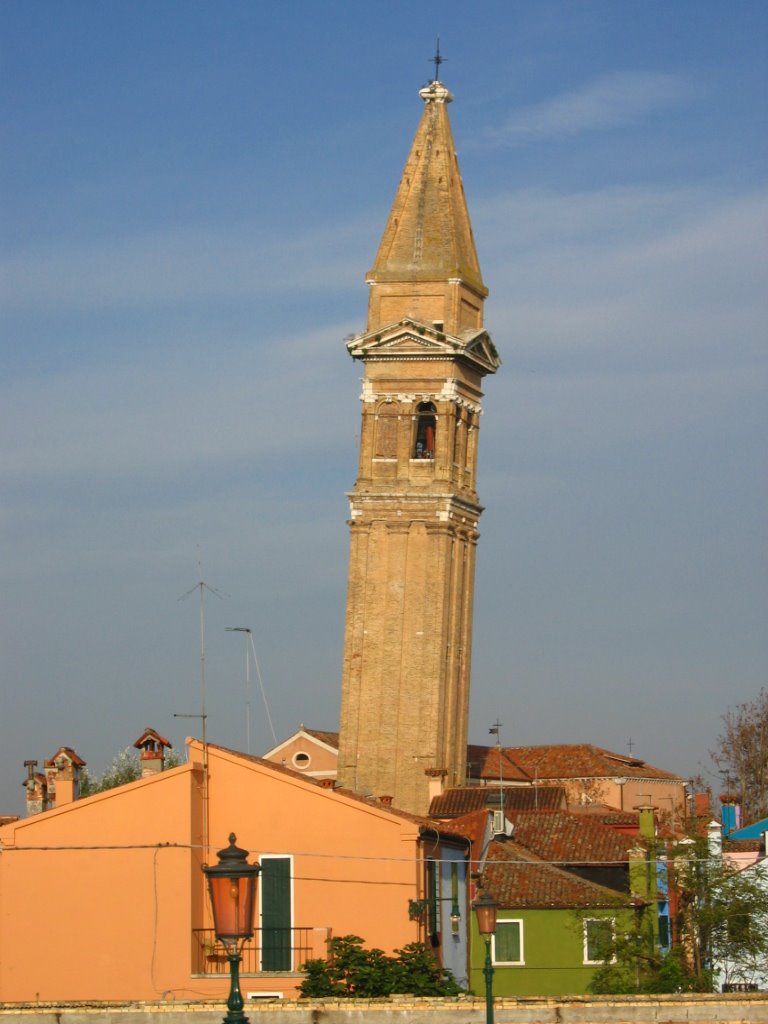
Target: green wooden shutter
pixel 275 882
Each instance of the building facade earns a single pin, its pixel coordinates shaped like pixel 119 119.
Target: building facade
pixel 414 509
pixel 125 865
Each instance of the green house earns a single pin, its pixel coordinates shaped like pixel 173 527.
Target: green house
pixel 553 926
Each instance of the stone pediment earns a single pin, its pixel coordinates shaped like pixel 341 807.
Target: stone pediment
pixel 410 339
pixel 483 349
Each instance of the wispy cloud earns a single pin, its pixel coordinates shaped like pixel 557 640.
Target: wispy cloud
pixel 609 102
pixel 150 269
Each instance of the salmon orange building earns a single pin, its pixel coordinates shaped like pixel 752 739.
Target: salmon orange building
pixel 109 889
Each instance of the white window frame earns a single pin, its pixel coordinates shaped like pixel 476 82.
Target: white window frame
pixel 585 923
pixel 500 924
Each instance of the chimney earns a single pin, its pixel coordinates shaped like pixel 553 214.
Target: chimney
pixel 730 813
pixel 62 774
pixel 646 821
pixel 36 788
pixel 435 782
pixel 701 805
pixel 152 757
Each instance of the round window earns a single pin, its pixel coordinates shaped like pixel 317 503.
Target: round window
pixel 301 760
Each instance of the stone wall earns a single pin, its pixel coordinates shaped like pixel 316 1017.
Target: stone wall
pixel 677 1009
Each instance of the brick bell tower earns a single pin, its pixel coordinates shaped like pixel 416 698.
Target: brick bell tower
pixel 414 510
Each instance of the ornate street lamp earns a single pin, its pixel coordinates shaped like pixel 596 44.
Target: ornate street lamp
pixel 232 888
pixel 485 907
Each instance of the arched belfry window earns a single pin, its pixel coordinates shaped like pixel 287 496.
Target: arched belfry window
pixel 426 426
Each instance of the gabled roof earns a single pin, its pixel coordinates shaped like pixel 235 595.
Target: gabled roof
pixel 331 739
pixel 753 831
pixel 69 754
pixel 564 838
pixel 454 803
pixel 485 763
pixel 152 735
pixel 448 830
pixel 328 739
pixel 583 761
pixel 519 880
pixel 428 235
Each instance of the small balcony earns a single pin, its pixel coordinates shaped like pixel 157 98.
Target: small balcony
pixel 270 951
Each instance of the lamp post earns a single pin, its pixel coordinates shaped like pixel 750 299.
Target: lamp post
pixel 232 888
pixel 485 907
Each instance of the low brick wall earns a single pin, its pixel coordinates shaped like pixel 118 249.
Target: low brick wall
pixel 735 1008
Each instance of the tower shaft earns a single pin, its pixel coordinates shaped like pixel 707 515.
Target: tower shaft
pixel 414 509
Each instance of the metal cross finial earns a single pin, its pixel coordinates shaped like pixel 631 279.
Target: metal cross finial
pixel 437 60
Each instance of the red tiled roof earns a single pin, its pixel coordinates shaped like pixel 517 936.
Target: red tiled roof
pixel 73 756
pixel 329 738
pixel 517 880
pixel 150 733
pixel 483 763
pixel 454 803
pixel 606 815
pixel 583 761
pixel 565 838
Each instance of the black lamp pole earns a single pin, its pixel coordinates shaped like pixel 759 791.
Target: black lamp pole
pixel 232 887
pixel 485 908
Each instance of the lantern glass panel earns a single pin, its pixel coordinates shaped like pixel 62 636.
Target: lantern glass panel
pixel 486 916
pixel 232 901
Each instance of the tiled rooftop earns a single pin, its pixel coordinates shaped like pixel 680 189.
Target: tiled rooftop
pixel 455 802
pixel 330 738
pixel 582 760
pixel 517 880
pixel 485 763
pixel 565 838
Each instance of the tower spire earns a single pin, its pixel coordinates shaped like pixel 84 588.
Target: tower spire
pixel 427 251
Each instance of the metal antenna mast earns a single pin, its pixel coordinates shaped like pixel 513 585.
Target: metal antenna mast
pixel 495 730
pixel 202 586
pixel 249 644
pixel 244 629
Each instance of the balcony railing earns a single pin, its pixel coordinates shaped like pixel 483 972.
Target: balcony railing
pixel 270 950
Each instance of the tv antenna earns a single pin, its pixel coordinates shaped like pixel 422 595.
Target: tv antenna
pixel 495 730
pixel 202 586
pixel 250 649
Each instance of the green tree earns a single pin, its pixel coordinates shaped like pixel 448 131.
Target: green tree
pixel 721 930
pixel 125 767
pixel 352 971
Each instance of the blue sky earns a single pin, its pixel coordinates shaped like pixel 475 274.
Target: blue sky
pixel 191 194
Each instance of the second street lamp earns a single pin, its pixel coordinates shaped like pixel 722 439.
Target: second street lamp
pixel 485 907
pixel 232 888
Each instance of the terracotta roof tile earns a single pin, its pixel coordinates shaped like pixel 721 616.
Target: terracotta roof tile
pixel 517 880
pixel 483 763
pixel 329 738
pixel 453 803
pixel 606 815
pixel 565 838
pixel 582 760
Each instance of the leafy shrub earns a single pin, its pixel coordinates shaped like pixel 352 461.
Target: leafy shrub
pixel 351 971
